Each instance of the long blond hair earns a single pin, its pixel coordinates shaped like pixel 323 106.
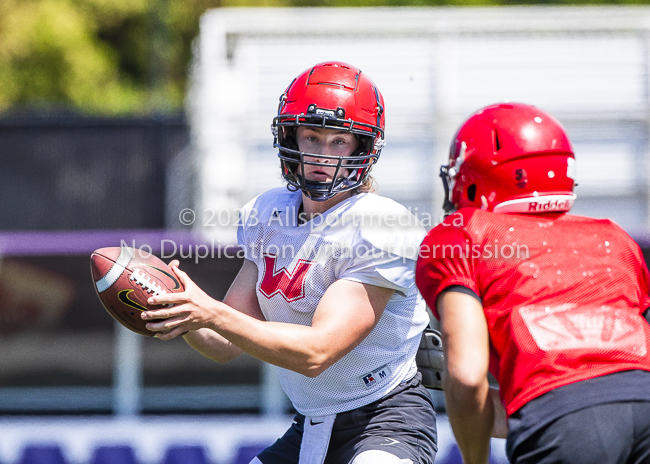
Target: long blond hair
pixel 368 186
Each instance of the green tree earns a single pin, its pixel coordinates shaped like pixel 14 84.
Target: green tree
pixel 97 56
pixel 116 57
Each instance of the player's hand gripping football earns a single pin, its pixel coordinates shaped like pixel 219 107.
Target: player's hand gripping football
pixel 192 309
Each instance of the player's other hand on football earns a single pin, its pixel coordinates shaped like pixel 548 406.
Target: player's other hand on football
pixel 191 309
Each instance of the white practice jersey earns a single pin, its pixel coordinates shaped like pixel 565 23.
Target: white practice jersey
pixel 365 238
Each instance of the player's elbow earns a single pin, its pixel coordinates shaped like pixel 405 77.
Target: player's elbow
pixel 314 369
pixel 221 354
pixel 221 358
pixel 461 392
pixel 312 372
pixel 316 364
pixel 316 355
pixel 465 384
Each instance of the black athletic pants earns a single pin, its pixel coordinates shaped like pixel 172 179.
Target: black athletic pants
pixel 608 433
pixel 402 423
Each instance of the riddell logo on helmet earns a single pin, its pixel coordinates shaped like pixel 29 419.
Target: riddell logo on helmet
pixel 557 205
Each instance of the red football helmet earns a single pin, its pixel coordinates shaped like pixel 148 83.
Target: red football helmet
pixel 332 95
pixel 510 158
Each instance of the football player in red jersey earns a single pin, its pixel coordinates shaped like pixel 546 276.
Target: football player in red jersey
pixel 551 304
pixel 327 291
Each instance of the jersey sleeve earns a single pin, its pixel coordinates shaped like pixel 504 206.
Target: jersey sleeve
pixel 382 270
pixel 445 259
pixel 247 218
pixel 241 238
pixel 384 253
pixel 461 289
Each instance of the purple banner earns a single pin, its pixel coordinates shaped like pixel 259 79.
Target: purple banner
pixel 81 242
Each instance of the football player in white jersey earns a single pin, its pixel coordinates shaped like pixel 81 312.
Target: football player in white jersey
pixel 326 292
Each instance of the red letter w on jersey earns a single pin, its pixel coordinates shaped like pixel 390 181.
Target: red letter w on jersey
pixel 289 284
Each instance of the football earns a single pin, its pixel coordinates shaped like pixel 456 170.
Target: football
pixel 125 278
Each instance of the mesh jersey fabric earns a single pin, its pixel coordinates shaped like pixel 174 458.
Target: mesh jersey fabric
pixel 562 296
pixel 365 238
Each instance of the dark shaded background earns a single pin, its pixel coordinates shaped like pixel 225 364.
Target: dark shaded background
pixel 75 173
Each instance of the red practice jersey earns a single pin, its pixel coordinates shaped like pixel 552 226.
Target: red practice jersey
pixel 562 296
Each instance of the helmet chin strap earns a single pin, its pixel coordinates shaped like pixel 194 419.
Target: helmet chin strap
pixel 317 191
pixel 447 205
pixel 320 191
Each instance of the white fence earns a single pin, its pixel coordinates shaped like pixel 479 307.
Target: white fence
pixel 434 66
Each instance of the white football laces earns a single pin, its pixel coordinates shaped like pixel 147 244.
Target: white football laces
pixel 145 282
